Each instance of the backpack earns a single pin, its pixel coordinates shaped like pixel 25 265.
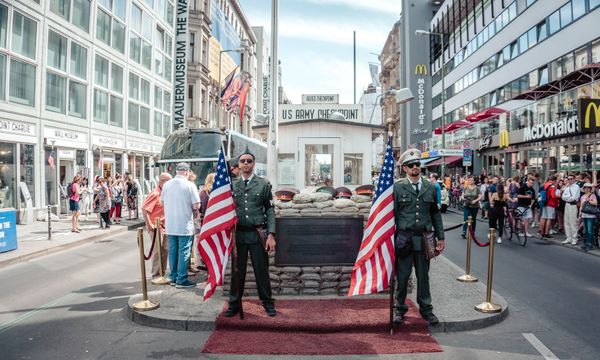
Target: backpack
pixel 543 198
pixel 69 190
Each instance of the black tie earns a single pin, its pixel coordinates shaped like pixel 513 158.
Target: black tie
pixel 416 185
pixel 246 182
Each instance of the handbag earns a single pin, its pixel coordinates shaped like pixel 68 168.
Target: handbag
pixel 403 243
pixel 429 245
pixel 589 209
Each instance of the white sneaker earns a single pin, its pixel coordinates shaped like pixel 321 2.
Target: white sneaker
pixel 553 232
pixel 566 241
pixel 499 241
pixel 529 235
pixel 534 225
pixel 574 242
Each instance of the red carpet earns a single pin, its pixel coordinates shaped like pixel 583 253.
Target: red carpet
pixel 320 327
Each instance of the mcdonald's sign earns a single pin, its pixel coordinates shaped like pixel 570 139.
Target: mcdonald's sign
pixel 421 69
pixel 504 141
pixel 589 115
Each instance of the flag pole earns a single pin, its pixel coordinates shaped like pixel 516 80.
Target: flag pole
pixel 392 291
pixel 236 272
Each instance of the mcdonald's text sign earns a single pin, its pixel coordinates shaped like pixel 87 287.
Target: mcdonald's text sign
pixel 589 115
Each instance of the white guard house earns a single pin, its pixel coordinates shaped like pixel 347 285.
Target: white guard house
pixel 323 144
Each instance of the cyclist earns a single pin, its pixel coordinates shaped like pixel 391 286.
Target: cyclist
pixel 525 198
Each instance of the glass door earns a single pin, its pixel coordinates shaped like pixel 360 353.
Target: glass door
pixel 8 175
pixel 321 161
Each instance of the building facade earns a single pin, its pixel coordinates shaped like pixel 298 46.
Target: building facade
pixel 523 69
pixel 85 88
pixel 389 77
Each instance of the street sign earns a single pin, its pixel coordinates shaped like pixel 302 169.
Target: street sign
pixel 466 144
pixel 467 157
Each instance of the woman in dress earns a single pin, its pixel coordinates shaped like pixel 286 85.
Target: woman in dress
pixel 470 197
pixel 104 202
pixel 132 192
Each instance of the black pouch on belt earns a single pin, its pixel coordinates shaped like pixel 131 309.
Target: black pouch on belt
pixel 403 242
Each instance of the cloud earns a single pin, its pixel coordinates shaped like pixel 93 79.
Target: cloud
pixel 385 6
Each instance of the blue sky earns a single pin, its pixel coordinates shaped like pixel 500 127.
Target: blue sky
pixel 315 41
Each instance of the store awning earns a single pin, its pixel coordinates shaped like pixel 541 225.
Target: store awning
pixel 428 160
pixel 449 160
pixel 452 126
pixel 572 80
pixel 484 114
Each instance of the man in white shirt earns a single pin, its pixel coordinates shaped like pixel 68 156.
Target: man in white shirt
pixel 570 195
pixel 180 199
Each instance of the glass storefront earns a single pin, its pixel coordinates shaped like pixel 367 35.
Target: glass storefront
pixel 26 169
pixel 319 164
pixel 8 174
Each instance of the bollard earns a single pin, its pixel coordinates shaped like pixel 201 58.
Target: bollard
pixel 49 223
pixel 467 277
pixel 162 280
pixel 145 304
pixel 488 306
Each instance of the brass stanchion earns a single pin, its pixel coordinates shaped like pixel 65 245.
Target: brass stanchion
pixel 467 277
pixel 162 280
pixel 488 306
pixel 145 304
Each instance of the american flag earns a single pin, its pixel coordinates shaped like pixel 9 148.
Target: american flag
pixel 375 260
pixel 215 236
pixel 51 159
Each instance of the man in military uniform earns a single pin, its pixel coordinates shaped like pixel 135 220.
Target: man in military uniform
pixel 254 201
pixel 415 211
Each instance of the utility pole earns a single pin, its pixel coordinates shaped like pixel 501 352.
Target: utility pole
pixel 272 138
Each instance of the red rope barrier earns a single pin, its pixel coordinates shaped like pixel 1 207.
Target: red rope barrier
pixel 151 246
pixel 470 228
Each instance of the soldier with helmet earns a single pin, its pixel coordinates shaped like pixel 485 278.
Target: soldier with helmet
pixel 415 212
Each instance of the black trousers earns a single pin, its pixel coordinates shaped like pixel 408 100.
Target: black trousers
pixel 496 221
pixel 404 267
pixel 260 264
pixel 106 218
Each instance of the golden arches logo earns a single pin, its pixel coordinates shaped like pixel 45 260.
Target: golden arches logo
pixel 504 139
pixel 588 111
pixel 421 69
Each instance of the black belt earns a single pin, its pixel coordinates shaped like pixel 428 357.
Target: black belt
pixel 572 203
pixel 244 228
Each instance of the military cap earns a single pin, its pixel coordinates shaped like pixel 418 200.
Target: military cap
pixel 410 155
pixel 365 190
pixel 286 194
pixel 328 190
pixel 343 193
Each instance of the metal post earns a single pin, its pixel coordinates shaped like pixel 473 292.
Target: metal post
pixel 145 304
pixel 49 223
pixel 162 280
pixel 272 138
pixel 467 277
pixel 354 62
pixel 219 93
pixel 441 35
pixel 488 306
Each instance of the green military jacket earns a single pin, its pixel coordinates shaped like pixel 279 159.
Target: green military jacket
pixel 254 207
pixel 417 213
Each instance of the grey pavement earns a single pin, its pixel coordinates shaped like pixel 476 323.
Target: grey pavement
pixel 32 239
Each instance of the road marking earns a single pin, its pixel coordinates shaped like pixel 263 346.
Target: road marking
pixel 540 347
pixel 8 325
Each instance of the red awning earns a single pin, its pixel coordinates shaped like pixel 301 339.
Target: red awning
pixel 449 160
pixel 452 126
pixel 484 114
pixel 572 80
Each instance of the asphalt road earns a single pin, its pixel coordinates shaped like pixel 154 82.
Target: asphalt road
pixel 69 305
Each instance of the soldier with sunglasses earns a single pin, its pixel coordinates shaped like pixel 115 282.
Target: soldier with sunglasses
pixel 415 212
pixel 255 233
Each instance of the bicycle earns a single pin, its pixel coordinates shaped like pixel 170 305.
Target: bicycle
pixel 516 225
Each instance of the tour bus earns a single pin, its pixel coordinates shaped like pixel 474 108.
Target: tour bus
pixel 199 148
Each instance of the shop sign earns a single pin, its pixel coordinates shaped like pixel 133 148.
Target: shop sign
pixel 18 128
pixel 265 95
pixel 180 81
pixel 320 98
pixel 557 128
pixel 319 111
pixel 139 146
pixel 589 115
pixel 108 142
pixel 419 131
pixel 66 138
pixel 66 154
pixel 8 230
pixel 445 152
pixel 485 142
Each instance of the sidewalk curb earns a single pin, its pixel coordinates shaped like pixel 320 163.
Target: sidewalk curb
pixel 62 247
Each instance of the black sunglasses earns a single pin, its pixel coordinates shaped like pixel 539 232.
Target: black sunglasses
pixel 412 165
pixel 246 161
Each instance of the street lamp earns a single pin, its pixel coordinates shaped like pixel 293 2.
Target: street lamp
pixel 402 96
pixel 237 50
pixel 441 36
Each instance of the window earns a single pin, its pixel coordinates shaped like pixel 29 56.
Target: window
pixel 61 7
pixel 532 36
pixel 135 47
pixel 554 22
pixel 101 71
pixel 77 94
pixel 556 67
pixel 318 164
pixel 528 3
pixel 2 77
pixel 157 123
pixel 100 106
pixel 78 60
pixel 134 86
pixel 542 30
pixel 116 78
pixel 578 8
pixel 543 76
pixel 145 91
pixel 136 18
pixel 119 8
pixel 205 52
pixel 594 3
pixel 514 49
pixel 145 120
pixel 192 47
pixel 3 25
pixel 565 15
pixel 190 101
pixel 147 26
pixel 523 43
pixel 146 54
pixel 57 51
pixel 352 169
pixel 103 27
pixel 596 51
pixel 56 87
pixel 581 57
pixel 24 37
pixel 116 111
pixel 157 97
pixel 22 83
pixel 118 37
pixel 133 115
pixel 81 14
pixel 568 63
